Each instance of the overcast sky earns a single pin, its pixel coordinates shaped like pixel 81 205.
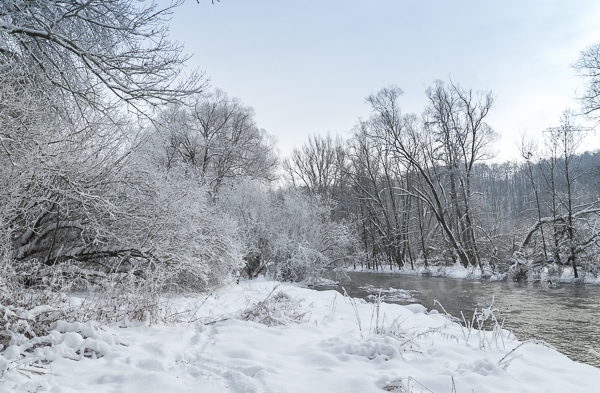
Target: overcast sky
pixel 306 66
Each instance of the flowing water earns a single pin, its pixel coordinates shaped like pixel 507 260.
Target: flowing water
pixel 567 316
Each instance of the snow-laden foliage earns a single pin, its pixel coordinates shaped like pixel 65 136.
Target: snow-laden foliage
pixel 97 52
pixel 287 233
pixel 215 139
pixel 78 184
pixel 113 212
pixel 168 218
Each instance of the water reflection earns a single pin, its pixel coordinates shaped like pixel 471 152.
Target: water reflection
pixel 567 316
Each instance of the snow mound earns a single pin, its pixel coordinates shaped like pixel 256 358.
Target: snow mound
pixel 373 348
pixel 73 341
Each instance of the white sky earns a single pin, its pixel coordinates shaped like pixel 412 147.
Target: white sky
pixel 306 66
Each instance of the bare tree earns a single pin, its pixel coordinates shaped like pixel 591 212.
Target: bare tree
pixel 457 117
pixel 376 176
pixel 588 67
pixel 318 165
pixel 528 153
pixel 443 152
pixel 567 140
pixel 98 51
pixel 217 139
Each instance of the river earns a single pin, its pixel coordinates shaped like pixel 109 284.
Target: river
pixel 567 316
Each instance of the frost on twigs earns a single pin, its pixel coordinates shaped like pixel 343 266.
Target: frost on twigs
pixel 407 338
pixel 38 326
pixel 408 385
pixel 278 308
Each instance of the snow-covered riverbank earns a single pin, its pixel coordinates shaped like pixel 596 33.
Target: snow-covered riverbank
pixel 473 273
pixel 297 340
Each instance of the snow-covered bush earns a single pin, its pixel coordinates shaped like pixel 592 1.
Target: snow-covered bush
pixel 286 232
pixel 172 225
pixel 311 240
pixel 113 212
pixel 34 319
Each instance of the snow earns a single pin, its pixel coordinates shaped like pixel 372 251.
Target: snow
pixel 460 272
pixel 263 336
pixel 391 294
pixel 452 271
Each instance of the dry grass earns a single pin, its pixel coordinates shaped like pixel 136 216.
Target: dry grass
pixel 278 308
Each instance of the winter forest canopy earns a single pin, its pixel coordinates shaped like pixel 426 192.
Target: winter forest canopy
pixel 120 170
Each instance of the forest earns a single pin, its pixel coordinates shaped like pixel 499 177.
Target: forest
pixel 125 174
pixel 422 191
pixel 116 163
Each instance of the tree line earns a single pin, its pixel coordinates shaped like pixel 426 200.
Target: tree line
pixel 423 192
pixel 116 163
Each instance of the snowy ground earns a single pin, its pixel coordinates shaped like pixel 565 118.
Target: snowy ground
pixel 313 344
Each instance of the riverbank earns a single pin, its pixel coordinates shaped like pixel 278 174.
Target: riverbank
pixel 263 336
pixel 566 316
pixel 473 273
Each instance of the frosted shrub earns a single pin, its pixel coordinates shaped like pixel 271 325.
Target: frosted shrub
pixel 249 203
pixel 314 241
pixel 114 211
pixel 167 221
pixel 39 325
pixel 304 264
pixel 287 233
pixel 27 313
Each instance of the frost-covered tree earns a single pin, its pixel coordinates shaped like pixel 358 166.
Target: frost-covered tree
pixel 318 166
pixel 78 182
pixel 216 139
pixel 572 213
pixel 97 51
